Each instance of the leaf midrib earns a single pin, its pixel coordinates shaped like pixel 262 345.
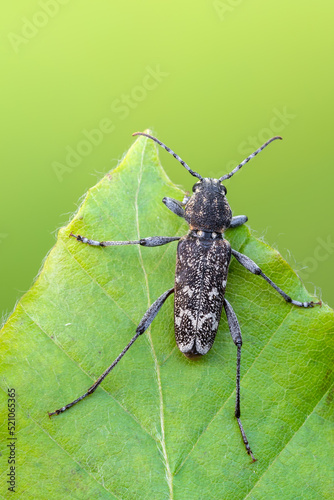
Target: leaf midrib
pixel 169 476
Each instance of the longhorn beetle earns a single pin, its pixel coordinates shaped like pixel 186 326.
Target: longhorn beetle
pixel 203 258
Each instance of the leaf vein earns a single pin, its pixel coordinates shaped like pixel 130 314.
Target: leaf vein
pixel 287 443
pixel 229 397
pixel 87 374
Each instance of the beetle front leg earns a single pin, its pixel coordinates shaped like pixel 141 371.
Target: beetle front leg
pixel 151 241
pixel 235 331
pixel 250 265
pixel 238 220
pixel 174 206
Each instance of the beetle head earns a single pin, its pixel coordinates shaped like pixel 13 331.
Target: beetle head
pixel 210 185
pixel 208 208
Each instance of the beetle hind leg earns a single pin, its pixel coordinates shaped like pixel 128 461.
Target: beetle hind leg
pixel 145 322
pixel 235 331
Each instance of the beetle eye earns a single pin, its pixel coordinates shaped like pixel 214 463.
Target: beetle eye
pixel 195 186
pixel 224 189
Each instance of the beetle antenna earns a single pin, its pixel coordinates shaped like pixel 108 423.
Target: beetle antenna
pixel 227 176
pixel 195 174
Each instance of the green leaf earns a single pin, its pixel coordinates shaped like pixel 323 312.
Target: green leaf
pixel 162 426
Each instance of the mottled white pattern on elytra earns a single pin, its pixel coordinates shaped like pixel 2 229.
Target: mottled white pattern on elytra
pixel 185 312
pixel 214 324
pixel 214 292
pixel 202 348
pixel 203 271
pixel 185 348
pixel 188 291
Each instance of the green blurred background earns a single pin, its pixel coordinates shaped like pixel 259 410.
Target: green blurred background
pixel 213 79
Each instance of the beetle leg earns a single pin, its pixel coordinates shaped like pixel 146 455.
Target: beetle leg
pixel 254 268
pixel 238 220
pixel 174 206
pixel 145 322
pixel 235 331
pixel 151 241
